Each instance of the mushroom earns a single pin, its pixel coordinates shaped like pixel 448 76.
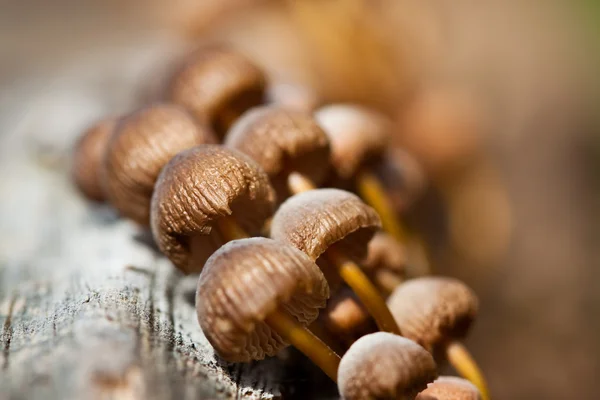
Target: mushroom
pixel 292 96
pixel 256 296
pixel 289 145
pixel 87 158
pixel 386 262
pixel 384 366
pixel 142 144
pixel 217 84
pixel 335 226
pixel 204 197
pixel 449 388
pixel 437 312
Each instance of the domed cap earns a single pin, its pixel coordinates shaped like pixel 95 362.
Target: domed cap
pixel 88 156
pixel 216 80
pixel 450 388
pixel 432 310
pixel 282 141
pixel 386 261
pixel 141 146
pixel 312 221
pixel 384 366
pixel 194 190
pixel 243 282
pixel 345 316
pixel 357 135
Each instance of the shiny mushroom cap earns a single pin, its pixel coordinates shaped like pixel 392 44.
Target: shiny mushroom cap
pixel 314 220
pixel 433 310
pixel 88 157
pixel 385 366
pixel 216 82
pixel 386 261
pixel 282 141
pixel 450 388
pixel 346 317
pixel 242 283
pixel 142 144
pixel 358 135
pixel 194 190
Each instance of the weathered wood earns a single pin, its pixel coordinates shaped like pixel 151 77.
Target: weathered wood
pixel 87 308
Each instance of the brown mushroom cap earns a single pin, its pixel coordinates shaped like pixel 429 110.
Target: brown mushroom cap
pixel 282 141
pixel 142 144
pixel 450 388
pixel 312 221
pixel 199 186
pixel 243 282
pixel 358 135
pixel 433 310
pixel 386 256
pixel 402 177
pixel 87 160
pixel 216 79
pixel 346 317
pixel 384 366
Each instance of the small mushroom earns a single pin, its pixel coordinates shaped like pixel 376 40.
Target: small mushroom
pixel 142 144
pixel 385 263
pixel 289 145
pixel 385 366
pixel 217 84
pixel 87 159
pixel 204 188
pixel 449 388
pixel 437 312
pixel 292 96
pixel 346 318
pixel 336 225
pixel 256 296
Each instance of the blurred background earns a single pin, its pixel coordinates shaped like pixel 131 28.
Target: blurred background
pixel 498 101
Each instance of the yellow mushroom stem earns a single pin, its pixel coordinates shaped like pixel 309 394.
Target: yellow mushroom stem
pixel 368 294
pixel 373 193
pixel 304 340
pixel 298 183
pixel 322 333
pixel 230 229
pixel 465 365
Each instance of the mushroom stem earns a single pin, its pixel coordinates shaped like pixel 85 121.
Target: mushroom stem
pixel 321 332
pixel 371 190
pixel 368 294
pixel 298 183
pixel 230 229
pixel 304 340
pixel 460 358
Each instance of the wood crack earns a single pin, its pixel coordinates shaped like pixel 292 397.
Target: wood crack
pixel 7 331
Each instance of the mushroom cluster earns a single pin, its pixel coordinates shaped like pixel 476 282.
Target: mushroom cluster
pixel 302 203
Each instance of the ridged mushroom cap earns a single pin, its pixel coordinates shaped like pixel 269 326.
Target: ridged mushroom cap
pixel 282 141
pixel 433 310
pixel 450 388
pixel 385 366
pixel 199 186
pixel 402 177
pixel 358 135
pixel 142 144
pixel 88 157
pixel 386 261
pixel 216 80
pixel 345 315
pixel 312 221
pixel 242 283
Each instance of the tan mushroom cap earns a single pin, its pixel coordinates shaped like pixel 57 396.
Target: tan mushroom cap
pixel 88 156
pixel 282 141
pixel 215 79
pixel 358 135
pixel 199 186
pixel 142 144
pixel 243 282
pixel 293 96
pixel 346 317
pixel 385 366
pixel 386 257
pixel 433 310
pixel 450 388
pixel 312 221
